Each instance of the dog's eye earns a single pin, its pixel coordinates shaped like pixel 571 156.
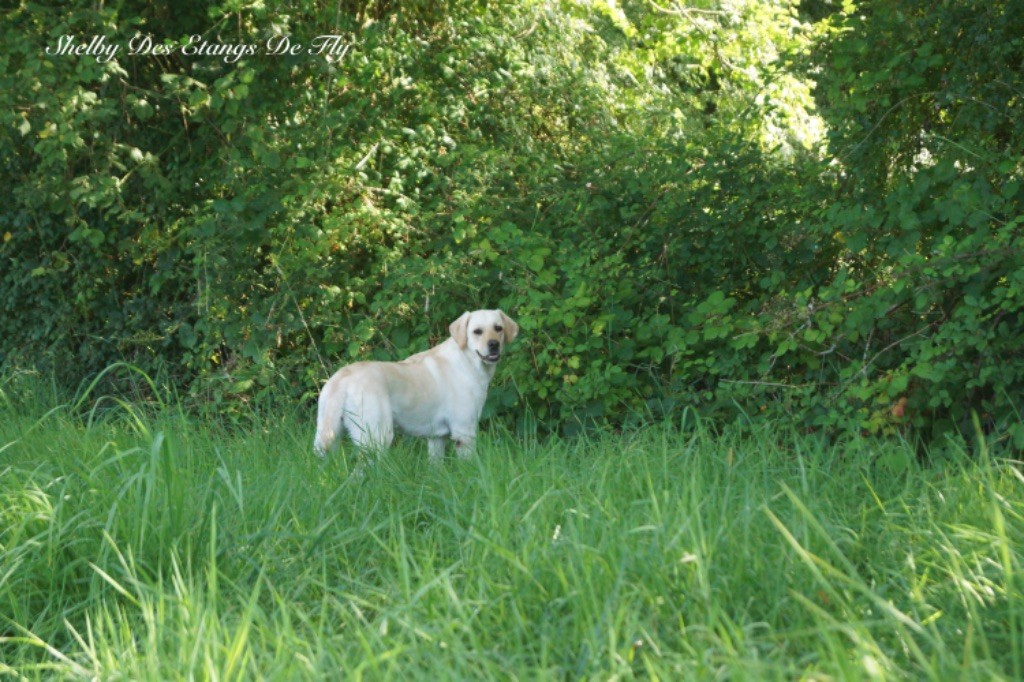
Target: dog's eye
pixel 478 332
pixel 498 327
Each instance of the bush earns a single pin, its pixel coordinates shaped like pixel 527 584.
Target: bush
pixel 641 190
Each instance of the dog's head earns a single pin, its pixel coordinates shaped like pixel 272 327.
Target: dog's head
pixel 484 333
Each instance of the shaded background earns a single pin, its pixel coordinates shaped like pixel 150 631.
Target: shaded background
pixel 745 208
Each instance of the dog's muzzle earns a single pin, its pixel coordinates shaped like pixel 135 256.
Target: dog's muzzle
pixel 493 352
pixel 491 357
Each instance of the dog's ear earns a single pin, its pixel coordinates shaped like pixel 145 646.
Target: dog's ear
pixel 459 330
pixel 511 329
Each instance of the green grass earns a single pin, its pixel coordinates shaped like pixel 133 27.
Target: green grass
pixel 162 547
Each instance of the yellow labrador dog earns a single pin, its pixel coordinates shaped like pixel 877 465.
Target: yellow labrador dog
pixel 436 394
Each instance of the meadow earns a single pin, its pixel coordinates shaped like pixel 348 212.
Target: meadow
pixel 139 542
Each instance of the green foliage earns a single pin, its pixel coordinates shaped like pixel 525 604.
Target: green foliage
pixel 924 107
pixel 746 208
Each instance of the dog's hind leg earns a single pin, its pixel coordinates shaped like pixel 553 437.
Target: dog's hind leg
pixel 369 421
pixel 329 413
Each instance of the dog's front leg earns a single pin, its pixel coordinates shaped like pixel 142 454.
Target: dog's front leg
pixel 435 448
pixel 465 444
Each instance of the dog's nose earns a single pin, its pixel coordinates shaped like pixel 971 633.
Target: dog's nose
pixel 493 346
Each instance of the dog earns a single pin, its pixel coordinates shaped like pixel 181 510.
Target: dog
pixel 436 394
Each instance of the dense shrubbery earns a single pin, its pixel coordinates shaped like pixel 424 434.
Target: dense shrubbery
pixel 641 188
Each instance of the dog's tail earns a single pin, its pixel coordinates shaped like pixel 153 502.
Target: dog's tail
pixel 329 413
